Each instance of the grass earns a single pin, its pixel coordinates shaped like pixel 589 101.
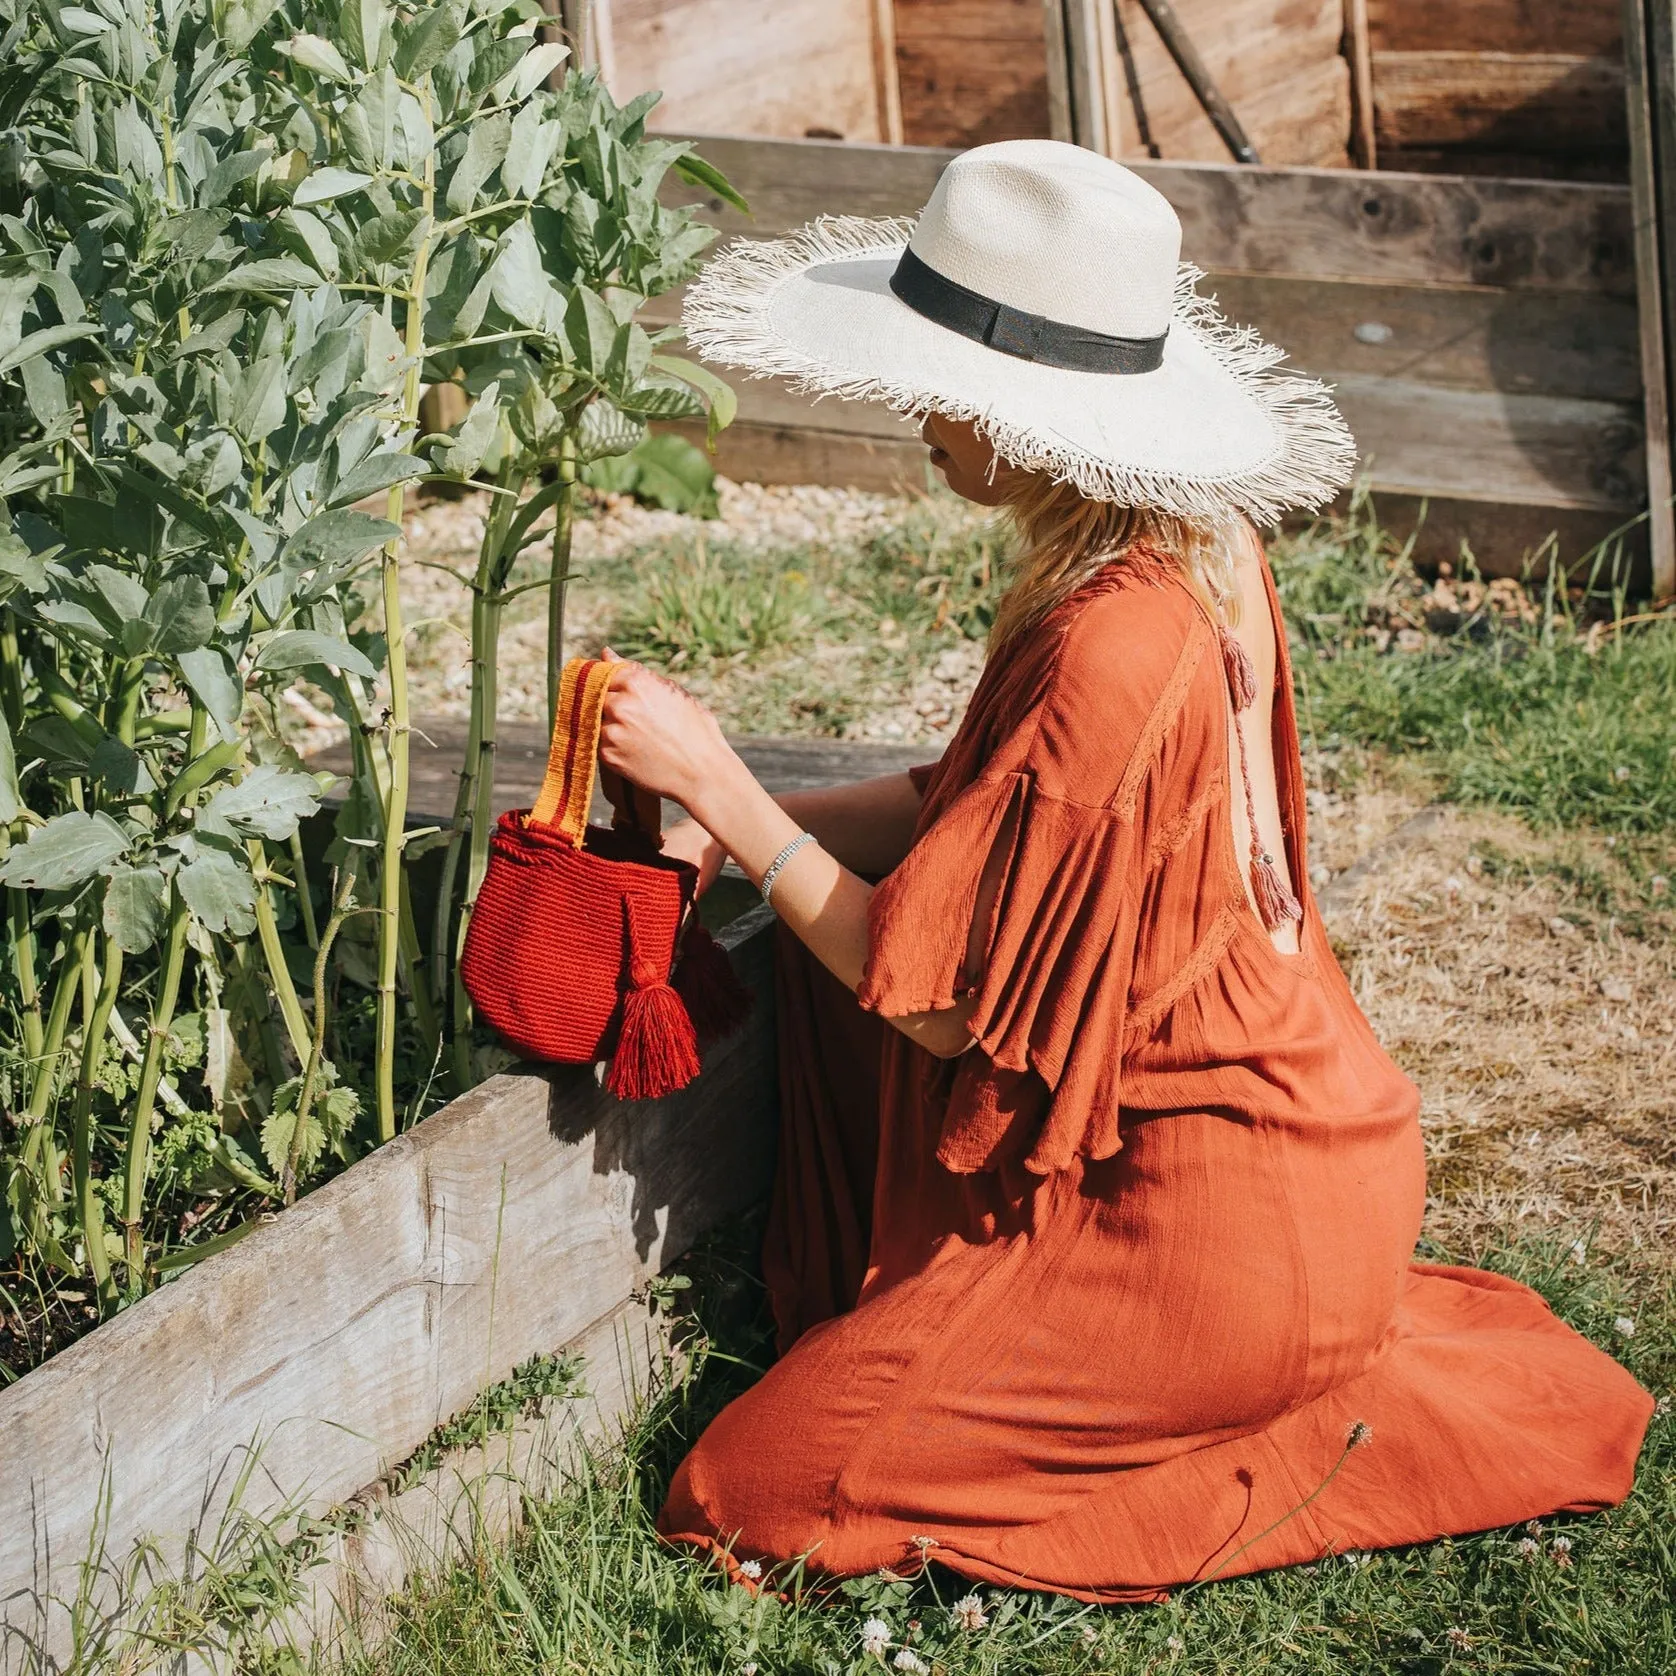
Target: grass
pixel 588 1588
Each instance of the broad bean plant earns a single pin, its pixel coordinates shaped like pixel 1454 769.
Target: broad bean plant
pixel 238 238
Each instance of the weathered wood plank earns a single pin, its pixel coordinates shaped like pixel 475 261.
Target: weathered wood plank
pixel 1650 62
pixel 756 66
pixel 338 1335
pixel 1539 103
pixel 1548 343
pixel 521 760
pixel 1589 27
pixel 1316 223
pixel 1277 62
pixel 1543 450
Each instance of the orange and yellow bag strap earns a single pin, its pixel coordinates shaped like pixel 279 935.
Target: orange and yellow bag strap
pixel 567 788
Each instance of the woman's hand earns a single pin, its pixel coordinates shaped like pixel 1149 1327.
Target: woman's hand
pixel 688 841
pixel 659 737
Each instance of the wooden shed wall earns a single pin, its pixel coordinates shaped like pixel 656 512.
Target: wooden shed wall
pixel 972 71
pixel 1510 87
pixel 785 68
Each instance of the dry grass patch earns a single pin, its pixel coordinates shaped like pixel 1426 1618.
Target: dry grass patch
pixel 1525 982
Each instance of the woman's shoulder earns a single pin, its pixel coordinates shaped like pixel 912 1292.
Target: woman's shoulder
pixel 1077 697
pixel 1126 650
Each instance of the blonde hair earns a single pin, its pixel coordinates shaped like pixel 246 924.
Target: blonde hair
pixel 1064 539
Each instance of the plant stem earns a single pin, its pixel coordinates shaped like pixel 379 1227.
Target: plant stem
pixel 273 952
pixel 138 1155
pixel 477 766
pixel 560 571
pixel 95 1024
pixel 395 809
pixel 342 894
pixel 305 899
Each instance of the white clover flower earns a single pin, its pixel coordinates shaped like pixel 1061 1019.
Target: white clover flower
pixel 968 1612
pixel 1529 1547
pixel 1559 1551
pixel 749 1668
pixel 911 1661
pixel 875 1637
pixel 1175 1644
pixel 1579 1252
pixel 1625 1324
pixel 751 1569
pixel 1457 1637
pixel 1089 1635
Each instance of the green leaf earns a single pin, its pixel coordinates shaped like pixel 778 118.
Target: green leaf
pixel 724 403
pixel 48 338
pixel 423 44
pixel 136 907
pixel 217 687
pixel 228 174
pixel 116 596
pixel 316 53
pixel 534 68
pixel 521 285
pixel 65 852
pixel 259 406
pixel 309 237
pixel 591 328
pixel 180 616
pixel 529 150
pixel 11 800
pixel 483 154
pixel 337 537
pixel 674 475
pixel 631 351
pixel 376 472
pixel 324 185
pixel 365 28
pixel 218 888
pixel 462 452
pixel 694 170
pixel 267 803
pixel 386 238
pixel 297 648
pixel 267 273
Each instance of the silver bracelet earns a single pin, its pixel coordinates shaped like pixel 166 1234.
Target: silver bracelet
pixel 779 861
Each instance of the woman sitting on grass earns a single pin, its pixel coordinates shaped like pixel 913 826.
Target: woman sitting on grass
pixel 1090 1247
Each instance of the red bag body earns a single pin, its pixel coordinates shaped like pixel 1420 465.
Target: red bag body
pixel 548 951
pixel 575 931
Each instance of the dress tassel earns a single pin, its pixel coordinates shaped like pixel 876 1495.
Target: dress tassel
pixel 657 1047
pixel 1275 903
pixel 717 1002
pixel 1241 672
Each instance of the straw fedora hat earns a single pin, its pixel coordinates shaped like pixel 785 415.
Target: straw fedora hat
pixel 1039 295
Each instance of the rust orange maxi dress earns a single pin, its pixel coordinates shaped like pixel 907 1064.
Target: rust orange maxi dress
pixel 1095 1306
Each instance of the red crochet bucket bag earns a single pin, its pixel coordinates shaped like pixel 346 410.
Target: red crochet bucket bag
pixel 583 944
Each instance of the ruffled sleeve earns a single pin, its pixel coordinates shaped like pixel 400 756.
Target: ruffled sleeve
pixel 1079 777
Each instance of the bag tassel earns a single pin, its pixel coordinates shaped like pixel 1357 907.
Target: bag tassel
pixel 717 1002
pixel 657 1047
pixel 1276 902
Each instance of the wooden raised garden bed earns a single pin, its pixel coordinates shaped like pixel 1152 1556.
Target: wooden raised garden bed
pixel 521 1219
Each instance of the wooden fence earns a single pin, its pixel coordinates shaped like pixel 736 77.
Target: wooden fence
pixel 1481 333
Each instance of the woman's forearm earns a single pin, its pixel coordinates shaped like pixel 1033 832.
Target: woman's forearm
pixel 867 825
pixel 820 900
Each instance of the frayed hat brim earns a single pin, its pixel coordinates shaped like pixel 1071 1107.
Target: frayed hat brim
pixel 1218 428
